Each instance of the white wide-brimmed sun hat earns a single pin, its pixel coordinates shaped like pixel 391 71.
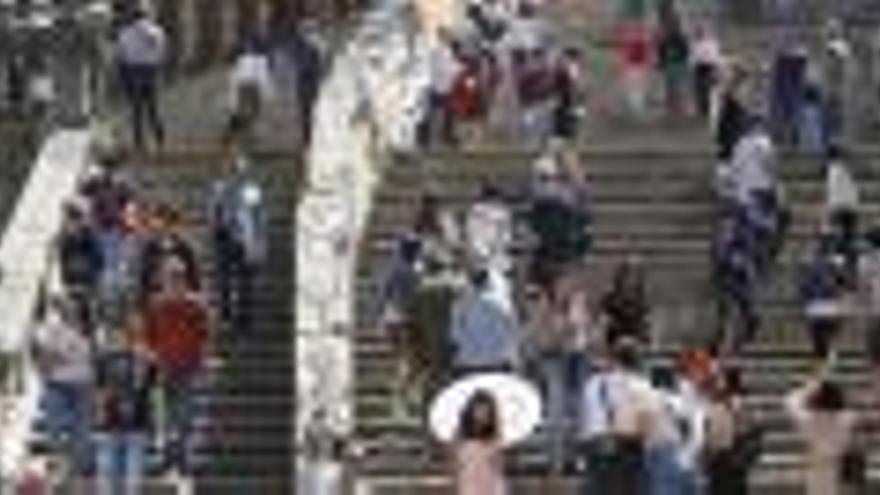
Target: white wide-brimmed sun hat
pixel 518 405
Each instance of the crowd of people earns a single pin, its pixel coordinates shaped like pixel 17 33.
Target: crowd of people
pixel 501 76
pixel 138 59
pixel 123 336
pixel 504 286
pixel 126 328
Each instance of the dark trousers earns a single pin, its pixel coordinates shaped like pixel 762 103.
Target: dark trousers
pixel 789 75
pixel 725 476
pixel 235 283
pixel 703 82
pixel 437 118
pixel 307 99
pixel 823 332
pixel 614 467
pixel 141 86
pixel 738 303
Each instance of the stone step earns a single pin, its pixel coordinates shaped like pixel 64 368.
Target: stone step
pixel 250 403
pixel 789 482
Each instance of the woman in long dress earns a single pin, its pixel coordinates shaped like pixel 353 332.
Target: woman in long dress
pixel 478 463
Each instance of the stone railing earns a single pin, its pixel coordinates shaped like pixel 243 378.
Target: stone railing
pixel 367 114
pixel 26 262
pixel 368 109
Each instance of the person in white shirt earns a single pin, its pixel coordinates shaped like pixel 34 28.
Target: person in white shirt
pixel 842 206
pixel 527 31
pixel 753 167
pixel 839 77
pixel 676 439
pixel 620 410
pixel 489 231
pixel 65 359
pixel 251 89
pixel 141 52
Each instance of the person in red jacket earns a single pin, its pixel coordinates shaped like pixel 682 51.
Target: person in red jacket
pixel 176 331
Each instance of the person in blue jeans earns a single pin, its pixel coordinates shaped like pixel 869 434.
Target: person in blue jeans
pixel 126 381
pixel 558 326
pixel 676 438
pixel 65 357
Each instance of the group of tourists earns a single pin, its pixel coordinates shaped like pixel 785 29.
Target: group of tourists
pixel 501 76
pixel 504 286
pixel 123 336
pixel 137 61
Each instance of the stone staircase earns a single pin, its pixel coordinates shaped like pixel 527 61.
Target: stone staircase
pixel 654 199
pixel 245 423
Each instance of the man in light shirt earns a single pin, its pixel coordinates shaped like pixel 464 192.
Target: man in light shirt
pixel 676 437
pixel 754 163
pixel 620 410
pixel 485 334
pixel 528 30
pixel 489 231
pixel 141 52
pixel 251 91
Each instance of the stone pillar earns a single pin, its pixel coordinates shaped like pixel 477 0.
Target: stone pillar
pixel 367 110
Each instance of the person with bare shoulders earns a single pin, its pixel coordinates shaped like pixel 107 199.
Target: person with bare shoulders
pixel 477 457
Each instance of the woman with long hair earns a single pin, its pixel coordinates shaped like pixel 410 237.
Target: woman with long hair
pixel 625 306
pixel 826 425
pixel 478 464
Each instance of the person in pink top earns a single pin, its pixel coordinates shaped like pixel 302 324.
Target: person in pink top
pixel 478 463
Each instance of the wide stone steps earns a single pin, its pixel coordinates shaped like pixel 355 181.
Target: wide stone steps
pixel 249 403
pixel 653 200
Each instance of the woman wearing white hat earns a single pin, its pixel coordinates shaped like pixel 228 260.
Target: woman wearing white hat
pixel 478 462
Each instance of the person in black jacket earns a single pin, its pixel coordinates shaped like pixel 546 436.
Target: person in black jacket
pixel 733 117
pixel 557 216
pixel 81 262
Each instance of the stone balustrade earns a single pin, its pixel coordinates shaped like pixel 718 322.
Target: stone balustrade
pixel 368 111
pixel 27 265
